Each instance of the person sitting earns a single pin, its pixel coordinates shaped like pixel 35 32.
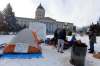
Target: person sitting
pixel 73 39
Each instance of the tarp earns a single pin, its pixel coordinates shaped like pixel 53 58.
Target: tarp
pixel 25 36
pixel 22 56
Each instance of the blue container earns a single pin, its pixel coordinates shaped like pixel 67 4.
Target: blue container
pixel 47 41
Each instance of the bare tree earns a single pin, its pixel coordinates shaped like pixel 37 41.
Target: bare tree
pixel 3 25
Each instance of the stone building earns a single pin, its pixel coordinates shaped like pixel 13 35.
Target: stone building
pixel 51 24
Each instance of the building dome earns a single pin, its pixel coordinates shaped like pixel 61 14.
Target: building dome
pixel 40 7
pixel 40 12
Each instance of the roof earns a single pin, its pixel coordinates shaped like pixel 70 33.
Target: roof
pixel 45 19
pixel 48 18
pixel 40 7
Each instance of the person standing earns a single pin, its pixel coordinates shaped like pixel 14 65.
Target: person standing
pixel 92 40
pixel 61 39
pixel 56 36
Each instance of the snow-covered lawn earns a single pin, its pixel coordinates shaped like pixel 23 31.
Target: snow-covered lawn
pixel 5 38
pixel 50 56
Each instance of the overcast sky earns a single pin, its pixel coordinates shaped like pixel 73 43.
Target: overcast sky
pixel 79 12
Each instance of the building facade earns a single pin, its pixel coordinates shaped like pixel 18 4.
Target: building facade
pixel 51 24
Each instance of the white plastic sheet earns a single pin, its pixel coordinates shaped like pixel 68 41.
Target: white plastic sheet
pixel 21 47
pixel 39 28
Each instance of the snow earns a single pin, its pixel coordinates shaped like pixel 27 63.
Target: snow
pixel 50 55
pixel 49 36
pixel 6 38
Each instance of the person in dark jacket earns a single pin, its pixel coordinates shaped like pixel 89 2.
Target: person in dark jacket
pixel 92 40
pixel 56 36
pixel 61 39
